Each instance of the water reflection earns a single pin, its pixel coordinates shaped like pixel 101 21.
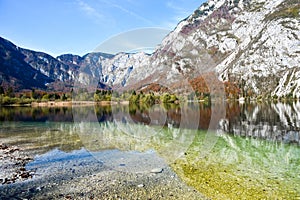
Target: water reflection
pixel 275 122
pixel 40 137
pixel 271 121
pixel 35 114
pixel 249 158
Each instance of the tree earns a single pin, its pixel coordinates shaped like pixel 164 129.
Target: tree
pixel 134 98
pixel 10 92
pixel 148 99
pixel 45 97
pixel 63 97
pixel 165 98
pixel 34 94
pixel 173 98
pixel 1 90
pixel 97 97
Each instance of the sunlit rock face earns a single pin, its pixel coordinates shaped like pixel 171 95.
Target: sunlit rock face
pixel 252 43
pixel 21 66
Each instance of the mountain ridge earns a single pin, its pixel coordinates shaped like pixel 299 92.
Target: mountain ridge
pixel 251 44
pixel 106 69
pixel 221 35
pixel 13 64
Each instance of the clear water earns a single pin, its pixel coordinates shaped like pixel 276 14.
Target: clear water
pixel 223 150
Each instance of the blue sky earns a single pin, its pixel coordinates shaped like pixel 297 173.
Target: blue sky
pixel 80 26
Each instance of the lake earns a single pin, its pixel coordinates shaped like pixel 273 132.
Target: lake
pixel 223 150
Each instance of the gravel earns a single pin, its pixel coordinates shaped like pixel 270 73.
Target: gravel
pixel 84 175
pixel 12 168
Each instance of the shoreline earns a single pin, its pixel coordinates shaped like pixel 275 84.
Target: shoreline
pixel 69 104
pixel 111 103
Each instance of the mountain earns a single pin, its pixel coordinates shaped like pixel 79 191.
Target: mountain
pixel 245 47
pixel 26 69
pixel 253 44
pixel 16 72
pixel 112 70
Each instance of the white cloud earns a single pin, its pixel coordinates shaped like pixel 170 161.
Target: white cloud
pixel 123 9
pixel 90 11
pixel 133 14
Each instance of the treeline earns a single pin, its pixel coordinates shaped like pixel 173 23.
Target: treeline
pixel 9 96
pixel 131 96
pixel 135 97
pixel 153 94
pixel 151 98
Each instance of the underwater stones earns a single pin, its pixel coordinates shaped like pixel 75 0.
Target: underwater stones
pixel 12 168
pixel 157 170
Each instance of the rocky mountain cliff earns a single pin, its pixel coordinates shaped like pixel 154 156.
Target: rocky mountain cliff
pixel 16 72
pixel 253 44
pixel 25 69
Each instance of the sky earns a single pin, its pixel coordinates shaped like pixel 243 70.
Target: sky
pixel 81 26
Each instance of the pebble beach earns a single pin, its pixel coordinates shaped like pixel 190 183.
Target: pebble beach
pixel 85 177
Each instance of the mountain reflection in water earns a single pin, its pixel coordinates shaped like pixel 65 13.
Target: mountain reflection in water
pixel 270 121
pixel 244 151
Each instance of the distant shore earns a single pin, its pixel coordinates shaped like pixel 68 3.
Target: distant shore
pixel 72 103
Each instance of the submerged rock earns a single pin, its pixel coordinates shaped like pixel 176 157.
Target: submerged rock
pixel 157 170
pixel 12 168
